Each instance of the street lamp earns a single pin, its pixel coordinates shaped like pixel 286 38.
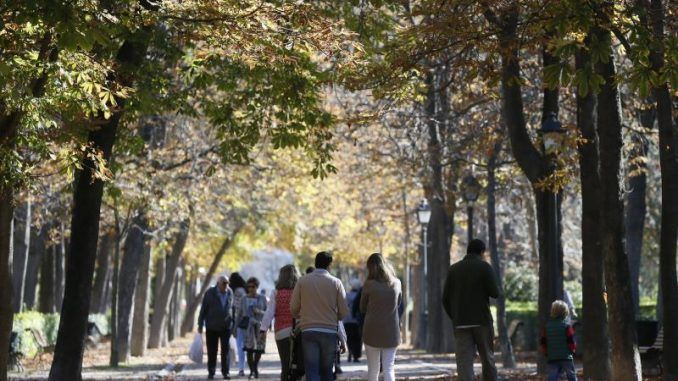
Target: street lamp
pixel 470 191
pixel 424 216
pixel 553 134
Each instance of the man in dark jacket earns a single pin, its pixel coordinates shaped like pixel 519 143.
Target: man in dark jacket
pixel 215 316
pixel 469 286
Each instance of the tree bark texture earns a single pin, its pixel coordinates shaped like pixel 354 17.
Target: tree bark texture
pixel 35 257
pixel 438 228
pixel 668 156
pixel 161 305
pixel 192 307
pixel 596 357
pixel 80 261
pixel 22 246
pixel 506 348
pixel 46 293
pixel 624 351
pixel 635 212
pixel 135 246
pixel 6 248
pixel 60 268
pixel 101 276
pixel 141 297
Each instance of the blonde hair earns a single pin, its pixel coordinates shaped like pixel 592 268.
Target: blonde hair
pixel 379 269
pixel 559 309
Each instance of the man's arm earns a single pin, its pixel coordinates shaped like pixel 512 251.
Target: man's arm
pixel 203 312
pixel 295 303
pixel 448 293
pixel 491 286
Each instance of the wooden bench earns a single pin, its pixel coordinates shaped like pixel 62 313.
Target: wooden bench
pixel 652 355
pixel 41 343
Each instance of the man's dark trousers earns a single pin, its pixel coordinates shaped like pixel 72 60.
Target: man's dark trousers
pixel 213 338
pixel 467 340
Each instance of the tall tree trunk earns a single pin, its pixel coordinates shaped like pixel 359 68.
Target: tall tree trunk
pixel 508 359
pixel 192 307
pixel 101 275
pixel 161 304
pixel 159 279
pixel 438 227
pixel 406 271
pixel 60 268
pixel 135 246
pixel 46 293
pixel 6 248
pixel 35 257
pixel 21 255
pixel 418 338
pixel 596 357
pixel 115 279
pixel 668 158
pixel 141 298
pixel 625 357
pixel 531 161
pixel 67 363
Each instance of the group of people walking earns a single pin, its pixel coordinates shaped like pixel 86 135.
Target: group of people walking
pixel 314 319
pixel 307 313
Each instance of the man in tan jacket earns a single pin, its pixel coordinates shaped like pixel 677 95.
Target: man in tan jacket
pixel 319 302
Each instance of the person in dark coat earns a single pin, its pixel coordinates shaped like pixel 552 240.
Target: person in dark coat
pixel 469 285
pixel 215 316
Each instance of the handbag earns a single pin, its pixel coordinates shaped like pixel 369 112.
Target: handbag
pixel 244 322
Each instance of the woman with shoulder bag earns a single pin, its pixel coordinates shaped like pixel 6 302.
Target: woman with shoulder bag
pixel 252 309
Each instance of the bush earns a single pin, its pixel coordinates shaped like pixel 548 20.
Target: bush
pixel 520 285
pixel 46 324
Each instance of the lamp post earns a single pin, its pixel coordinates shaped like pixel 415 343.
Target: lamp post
pixel 470 191
pixel 424 216
pixel 552 134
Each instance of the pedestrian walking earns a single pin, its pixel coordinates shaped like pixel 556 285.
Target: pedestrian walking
pixel 215 316
pixel 352 325
pixel 252 309
pixel 381 296
pixel 319 302
pixel 469 285
pixel 557 343
pixel 237 284
pixel 279 309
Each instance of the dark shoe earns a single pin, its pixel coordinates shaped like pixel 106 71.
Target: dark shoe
pixel 241 373
pixel 251 376
pixel 210 377
pixel 338 370
pixel 227 377
pixel 256 374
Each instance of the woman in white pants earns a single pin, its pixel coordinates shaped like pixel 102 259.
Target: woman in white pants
pixel 379 301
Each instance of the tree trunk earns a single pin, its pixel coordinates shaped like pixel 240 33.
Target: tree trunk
pixel 115 279
pixel 35 257
pixel 135 246
pixel 418 338
pixel 508 359
pixel 189 319
pixel 406 271
pixel 596 358
pixel 101 276
pixel 439 228
pixel 6 248
pixel 69 349
pixel 21 254
pixel 159 279
pixel 80 261
pixel 635 203
pixel 60 268
pixel 161 304
pixel 625 357
pixel 46 293
pixel 140 320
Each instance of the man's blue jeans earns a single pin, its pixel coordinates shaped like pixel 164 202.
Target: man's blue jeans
pixel 555 368
pixel 320 348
